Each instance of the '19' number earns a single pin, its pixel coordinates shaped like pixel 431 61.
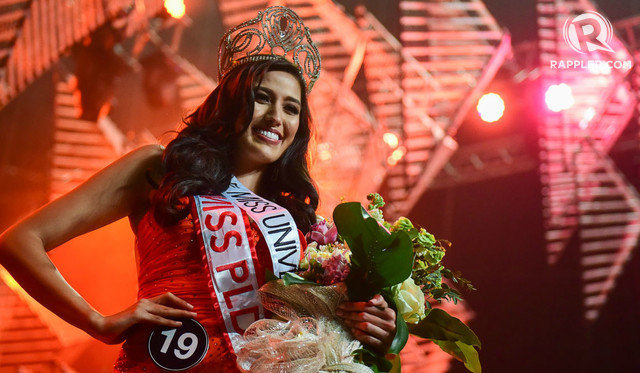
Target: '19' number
pixel 187 342
pixel 180 348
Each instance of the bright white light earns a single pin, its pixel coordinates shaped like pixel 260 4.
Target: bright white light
pixel 175 8
pixel 589 114
pixel 490 107
pixel 559 97
pixel 391 139
pixel 587 117
pixel 325 155
pixel 324 152
pixel 396 156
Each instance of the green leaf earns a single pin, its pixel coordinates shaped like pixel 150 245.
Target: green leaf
pixel 473 359
pixel 401 337
pixel 378 258
pixel 402 331
pixel 293 279
pixel 463 352
pixel 439 325
pixel 451 348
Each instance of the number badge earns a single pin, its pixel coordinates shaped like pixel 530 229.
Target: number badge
pixel 177 349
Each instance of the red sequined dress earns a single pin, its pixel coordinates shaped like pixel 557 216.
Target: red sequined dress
pixel 170 260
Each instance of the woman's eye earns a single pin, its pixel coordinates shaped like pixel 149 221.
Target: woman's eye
pixel 262 97
pixel 292 109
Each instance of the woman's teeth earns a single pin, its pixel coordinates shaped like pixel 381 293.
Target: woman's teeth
pixel 269 134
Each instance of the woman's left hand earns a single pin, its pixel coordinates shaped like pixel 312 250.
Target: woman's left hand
pixel 373 323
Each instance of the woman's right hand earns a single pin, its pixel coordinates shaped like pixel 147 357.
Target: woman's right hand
pixel 160 310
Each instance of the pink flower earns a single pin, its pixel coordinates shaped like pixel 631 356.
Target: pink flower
pixel 322 233
pixel 336 269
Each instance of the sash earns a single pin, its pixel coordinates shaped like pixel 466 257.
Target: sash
pixel 229 252
pixel 276 224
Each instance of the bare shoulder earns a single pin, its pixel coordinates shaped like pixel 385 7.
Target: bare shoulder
pixel 149 155
pixel 153 155
pixel 146 174
pixel 129 173
pixel 130 170
pixel 149 151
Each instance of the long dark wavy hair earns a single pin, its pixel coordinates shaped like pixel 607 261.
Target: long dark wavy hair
pixel 200 159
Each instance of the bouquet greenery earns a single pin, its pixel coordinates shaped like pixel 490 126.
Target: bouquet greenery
pixel 399 261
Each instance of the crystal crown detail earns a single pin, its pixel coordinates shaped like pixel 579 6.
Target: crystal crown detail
pixel 276 33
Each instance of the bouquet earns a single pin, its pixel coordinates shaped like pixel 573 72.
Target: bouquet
pixel 370 256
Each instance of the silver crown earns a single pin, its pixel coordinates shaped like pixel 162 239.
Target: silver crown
pixel 271 35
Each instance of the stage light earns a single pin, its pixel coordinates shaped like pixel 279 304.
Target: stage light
pixel 490 107
pixel 587 117
pixel 391 139
pixel 396 156
pixel 559 97
pixel 589 114
pixel 325 155
pixel 324 152
pixel 175 8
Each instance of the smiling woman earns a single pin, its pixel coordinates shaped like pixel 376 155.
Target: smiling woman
pixel 213 213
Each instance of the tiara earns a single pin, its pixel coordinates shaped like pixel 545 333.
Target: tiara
pixel 271 35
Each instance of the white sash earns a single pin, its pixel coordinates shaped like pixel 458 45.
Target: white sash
pixel 276 224
pixel 229 253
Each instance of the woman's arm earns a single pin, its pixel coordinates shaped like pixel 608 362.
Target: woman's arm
pixel 113 193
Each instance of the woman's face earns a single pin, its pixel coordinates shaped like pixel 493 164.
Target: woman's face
pixel 276 116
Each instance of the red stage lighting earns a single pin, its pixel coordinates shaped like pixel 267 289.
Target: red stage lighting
pixel 490 107
pixel 559 97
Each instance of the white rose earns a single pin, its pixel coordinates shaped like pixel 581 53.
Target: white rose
pixel 410 301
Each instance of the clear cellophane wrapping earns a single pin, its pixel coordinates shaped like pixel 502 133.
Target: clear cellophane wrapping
pixel 309 338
